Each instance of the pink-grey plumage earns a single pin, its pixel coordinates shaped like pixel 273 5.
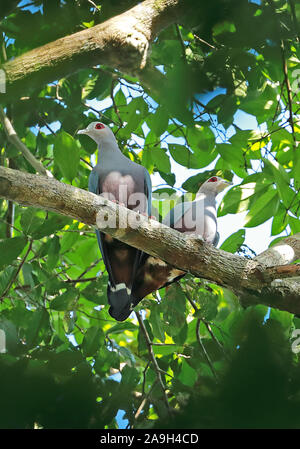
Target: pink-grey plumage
pixel 121 180
pixel 194 217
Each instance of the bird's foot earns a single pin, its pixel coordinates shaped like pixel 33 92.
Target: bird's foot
pixel 152 217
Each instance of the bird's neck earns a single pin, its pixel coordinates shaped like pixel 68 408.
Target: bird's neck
pixel 210 197
pixel 108 146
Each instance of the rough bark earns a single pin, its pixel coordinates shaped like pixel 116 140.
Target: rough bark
pixel 259 280
pixel 121 42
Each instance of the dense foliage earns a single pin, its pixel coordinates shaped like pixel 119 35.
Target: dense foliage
pixel 195 357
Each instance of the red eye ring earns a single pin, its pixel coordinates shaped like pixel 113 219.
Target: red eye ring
pixel 213 179
pixel 99 126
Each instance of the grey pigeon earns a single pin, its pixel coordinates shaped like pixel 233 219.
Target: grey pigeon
pixel 199 216
pixel 194 217
pixel 123 181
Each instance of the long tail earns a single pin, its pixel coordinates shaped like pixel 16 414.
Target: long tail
pixel 120 300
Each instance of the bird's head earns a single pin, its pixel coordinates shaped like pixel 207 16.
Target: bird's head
pixel 214 185
pixel 98 132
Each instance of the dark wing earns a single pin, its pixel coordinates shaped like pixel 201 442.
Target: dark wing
pixel 94 183
pixel 94 188
pixel 148 189
pixel 121 260
pixel 175 215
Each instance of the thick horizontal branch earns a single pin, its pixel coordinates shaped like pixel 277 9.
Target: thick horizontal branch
pixel 121 42
pixel 251 279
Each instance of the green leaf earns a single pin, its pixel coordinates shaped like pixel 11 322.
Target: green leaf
pixel 166 350
pixel 53 253
pixel 5 277
pixel 68 240
pixel 174 310
pixel 11 335
pixel 121 327
pixel 264 208
pixel 231 154
pixel 277 173
pixel 201 138
pixel 93 340
pixel 158 122
pixel 147 159
pixel 157 324
pixel 193 183
pixel 120 98
pixel 239 198
pixel 51 225
pixel 234 242
pixel 31 219
pixel 130 376
pixel 96 291
pixel 37 326
pixel 66 301
pixel 66 155
pixel 62 362
pixel 280 220
pixel 183 156
pixel 188 375
pixel 88 87
pixel 161 159
pixel 294 224
pixel 10 249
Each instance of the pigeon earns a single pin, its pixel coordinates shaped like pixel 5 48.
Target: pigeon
pixel 199 216
pixel 123 181
pixel 192 217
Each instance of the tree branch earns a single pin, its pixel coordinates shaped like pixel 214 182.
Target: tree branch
pixel 156 368
pixel 250 279
pixel 121 42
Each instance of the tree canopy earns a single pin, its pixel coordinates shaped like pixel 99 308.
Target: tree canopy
pixel 171 78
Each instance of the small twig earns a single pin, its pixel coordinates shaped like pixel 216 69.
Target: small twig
pixel 86 162
pixel 88 269
pixel 15 140
pixel 96 8
pixel 144 376
pixel 199 339
pixel 181 41
pixel 94 317
pixel 74 281
pixel 153 359
pixel 288 88
pixel 191 301
pixel 12 226
pixel 17 272
pixel 204 42
pixel 100 113
pixel 114 103
pixel 146 397
pixel 46 124
pixel 214 338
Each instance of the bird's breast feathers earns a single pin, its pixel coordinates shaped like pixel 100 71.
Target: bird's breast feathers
pixel 120 187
